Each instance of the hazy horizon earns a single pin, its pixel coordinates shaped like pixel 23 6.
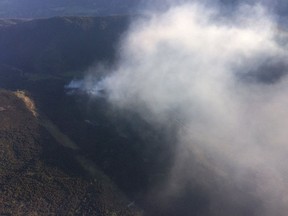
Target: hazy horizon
pixel 50 8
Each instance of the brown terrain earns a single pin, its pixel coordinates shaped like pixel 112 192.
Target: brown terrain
pixel 59 182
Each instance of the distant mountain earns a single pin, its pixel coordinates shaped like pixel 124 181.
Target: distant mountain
pixel 59 44
pixel 49 8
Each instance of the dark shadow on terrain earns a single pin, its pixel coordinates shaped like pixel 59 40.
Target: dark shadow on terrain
pixel 61 44
pixel 133 153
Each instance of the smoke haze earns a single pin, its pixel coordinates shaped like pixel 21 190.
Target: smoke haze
pixel 221 82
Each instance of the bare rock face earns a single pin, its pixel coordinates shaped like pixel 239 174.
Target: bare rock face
pixel 38 176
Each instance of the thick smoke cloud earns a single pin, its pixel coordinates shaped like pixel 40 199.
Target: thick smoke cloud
pixel 221 81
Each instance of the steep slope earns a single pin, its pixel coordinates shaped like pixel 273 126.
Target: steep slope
pixel 40 177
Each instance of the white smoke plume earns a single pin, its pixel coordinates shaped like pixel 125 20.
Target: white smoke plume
pixel 222 81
